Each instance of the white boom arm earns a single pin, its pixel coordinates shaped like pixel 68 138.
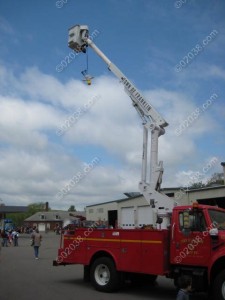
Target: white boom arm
pixel 152 121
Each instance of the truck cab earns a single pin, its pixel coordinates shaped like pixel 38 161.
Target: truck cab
pixel 198 246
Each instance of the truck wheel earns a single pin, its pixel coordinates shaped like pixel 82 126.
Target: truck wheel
pixel 219 286
pixel 104 276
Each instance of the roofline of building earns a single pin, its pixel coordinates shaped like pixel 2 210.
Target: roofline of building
pixel 50 216
pixel 119 200
pixel 59 211
pixel 207 188
pixel 190 190
pixel 170 188
pixel 13 209
pixel 176 188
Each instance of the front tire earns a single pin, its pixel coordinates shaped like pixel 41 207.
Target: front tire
pixel 219 286
pixel 104 276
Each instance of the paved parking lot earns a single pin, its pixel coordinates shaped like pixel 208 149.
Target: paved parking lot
pixel 24 278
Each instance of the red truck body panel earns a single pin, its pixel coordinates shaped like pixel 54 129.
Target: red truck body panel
pixel 140 251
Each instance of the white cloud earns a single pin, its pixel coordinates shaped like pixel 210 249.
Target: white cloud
pixel 35 163
pixel 23 123
pixel 202 172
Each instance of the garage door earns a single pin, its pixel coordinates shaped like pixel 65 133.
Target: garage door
pixel 41 226
pixel 127 217
pixel 145 215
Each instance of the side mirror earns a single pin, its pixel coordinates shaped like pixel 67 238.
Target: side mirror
pixel 213 232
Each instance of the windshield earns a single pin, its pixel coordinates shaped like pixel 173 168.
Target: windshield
pixel 218 218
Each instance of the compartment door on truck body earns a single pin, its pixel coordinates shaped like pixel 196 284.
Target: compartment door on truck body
pixel 130 250
pixel 155 251
pixel 191 247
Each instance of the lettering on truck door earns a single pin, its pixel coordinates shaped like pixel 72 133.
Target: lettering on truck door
pixel 190 248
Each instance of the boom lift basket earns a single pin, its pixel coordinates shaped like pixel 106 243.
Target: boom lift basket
pixel 77 34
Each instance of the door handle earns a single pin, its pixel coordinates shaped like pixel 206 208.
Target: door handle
pixel 173 231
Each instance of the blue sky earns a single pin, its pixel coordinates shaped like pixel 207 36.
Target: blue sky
pixel 174 53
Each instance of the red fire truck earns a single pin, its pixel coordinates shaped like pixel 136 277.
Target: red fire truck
pixel 178 239
pixel 194 244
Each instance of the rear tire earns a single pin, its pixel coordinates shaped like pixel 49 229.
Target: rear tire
pixel 219 286
pixel 104 276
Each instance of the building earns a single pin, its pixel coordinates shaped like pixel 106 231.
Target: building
pixel 213 195
pixel 8 224
pixel 134 211
pixel 5 209
pixel 129 212
pixel 49 220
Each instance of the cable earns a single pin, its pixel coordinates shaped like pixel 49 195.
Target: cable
pixel 85 72
pixel 87 60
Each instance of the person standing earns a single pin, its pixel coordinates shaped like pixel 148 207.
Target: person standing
pixel 15 236
pixel 10 237
pixel 4 239
pixel 184 283
pixel 36 238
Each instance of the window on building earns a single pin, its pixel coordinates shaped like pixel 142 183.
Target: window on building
pixel 170 194
pixel 90 210
pixel 100 210
pixel 57 217
pixel 42 217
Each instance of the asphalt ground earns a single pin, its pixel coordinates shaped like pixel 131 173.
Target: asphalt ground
pixel 24 278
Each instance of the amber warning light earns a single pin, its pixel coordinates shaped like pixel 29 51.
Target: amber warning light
pixel 195 205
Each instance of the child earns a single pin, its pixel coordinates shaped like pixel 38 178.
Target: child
pixel 184 283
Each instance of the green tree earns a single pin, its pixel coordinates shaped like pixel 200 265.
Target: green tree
pixel 197 185
pixel 216 178
pixel 18 218
pixel 72 208
pixel 36 207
